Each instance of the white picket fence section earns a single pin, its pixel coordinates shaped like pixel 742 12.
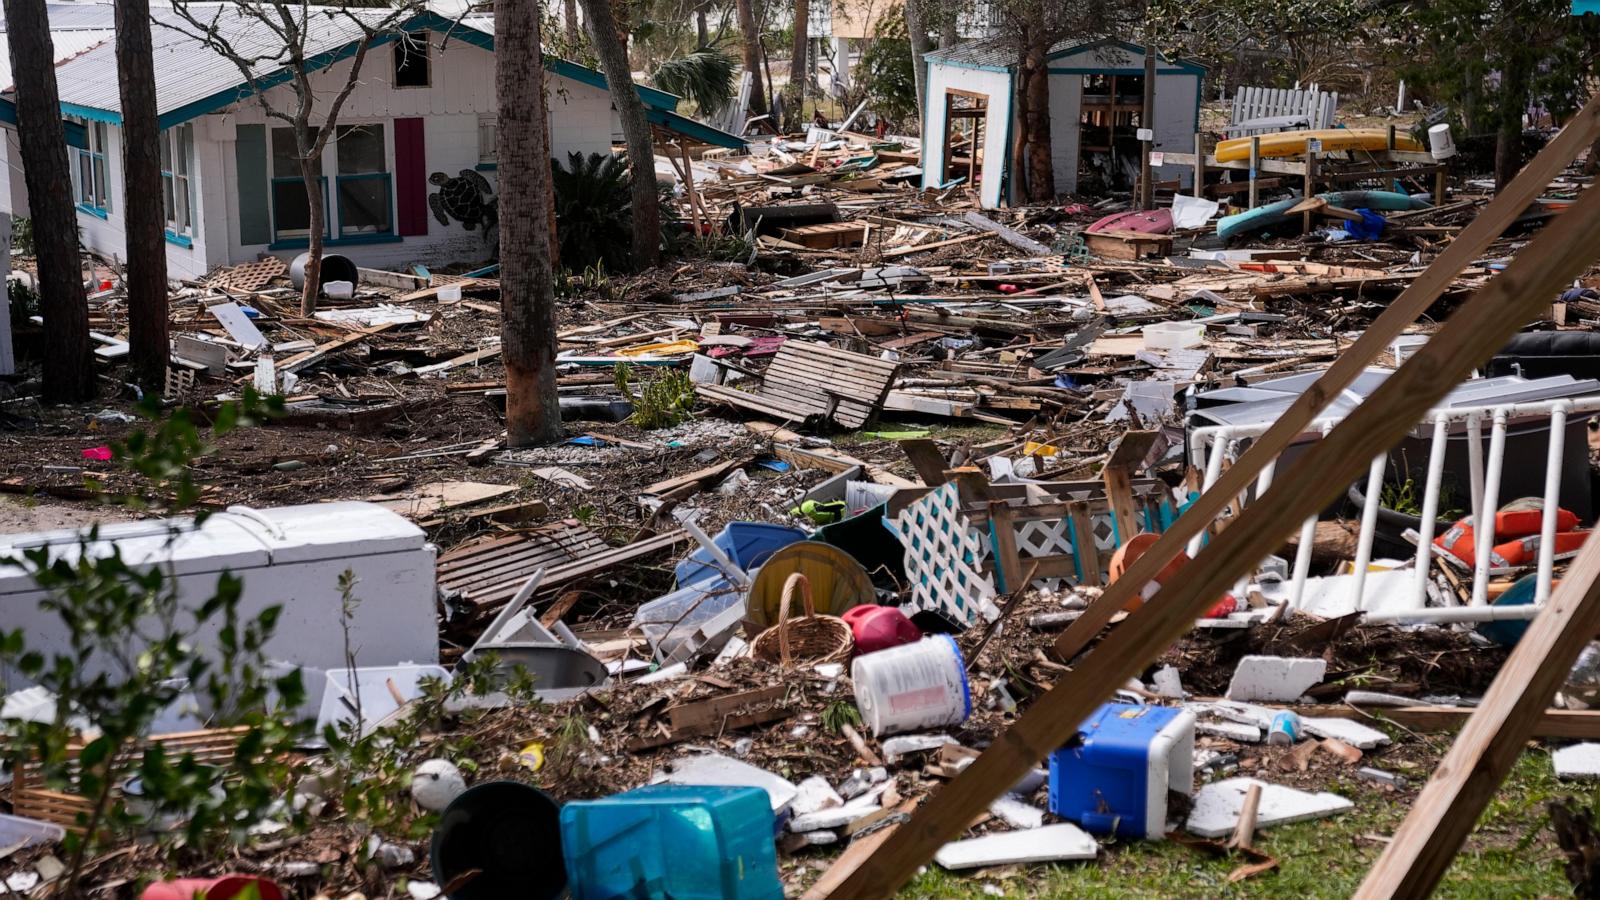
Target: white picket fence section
pixel 1258 110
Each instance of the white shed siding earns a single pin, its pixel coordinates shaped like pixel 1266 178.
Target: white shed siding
pixel 1066 102
pixel 997 85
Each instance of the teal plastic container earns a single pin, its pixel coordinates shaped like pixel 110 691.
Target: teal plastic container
pixel 686 842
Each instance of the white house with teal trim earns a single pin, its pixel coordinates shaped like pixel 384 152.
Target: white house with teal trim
pixel 1096 100
pixel 405 177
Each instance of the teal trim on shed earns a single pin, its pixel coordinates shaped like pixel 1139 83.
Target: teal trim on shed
pixel 697 130
pixel 250 164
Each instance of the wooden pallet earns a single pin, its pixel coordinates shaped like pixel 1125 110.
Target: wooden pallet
pixel 810 380
pixel 32 799
pixel 252 276
pixel 488 572
pixel 827 235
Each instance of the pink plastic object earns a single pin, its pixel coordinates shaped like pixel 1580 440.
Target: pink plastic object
pixel 225 888
pixel 99 454
pixel 879 628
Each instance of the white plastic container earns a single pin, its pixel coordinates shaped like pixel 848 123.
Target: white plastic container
pixel 912 686
pixel 450 293
pixel 339 290
pixel 1173 335
pixel 1440 142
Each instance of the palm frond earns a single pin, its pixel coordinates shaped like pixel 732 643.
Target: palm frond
pixel 704 76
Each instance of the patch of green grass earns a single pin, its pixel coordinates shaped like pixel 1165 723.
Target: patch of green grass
pixel 1512 853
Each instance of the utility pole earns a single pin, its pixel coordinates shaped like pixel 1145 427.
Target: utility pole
pixel 1147 123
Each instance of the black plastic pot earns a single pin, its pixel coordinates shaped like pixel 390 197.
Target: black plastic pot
pixel 511 833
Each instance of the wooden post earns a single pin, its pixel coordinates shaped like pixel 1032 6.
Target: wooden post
pixel 1471 335
pixel 1309 191
pixel 1199 166
pixel 1119 491
pixel 1482 756
pixel 1083 543
pixel 1007 559
pixel 1255 160
pixel 1441 177
pixel 1422 292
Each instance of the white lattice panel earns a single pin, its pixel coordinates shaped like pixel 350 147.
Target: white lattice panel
pixel 944 558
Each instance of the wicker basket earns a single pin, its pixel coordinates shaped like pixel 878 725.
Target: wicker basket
pixel 812 639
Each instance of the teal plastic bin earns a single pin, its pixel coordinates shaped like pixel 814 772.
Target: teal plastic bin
pixel 686 842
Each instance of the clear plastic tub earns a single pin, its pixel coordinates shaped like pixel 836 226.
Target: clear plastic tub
pixel 1173 335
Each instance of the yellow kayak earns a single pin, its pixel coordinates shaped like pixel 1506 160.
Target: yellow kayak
pixel 1293 143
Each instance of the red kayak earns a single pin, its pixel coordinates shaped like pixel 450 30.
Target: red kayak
pixel 1138 221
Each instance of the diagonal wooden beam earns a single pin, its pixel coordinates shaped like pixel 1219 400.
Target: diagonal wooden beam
pixel 1557 255
pixel 1583 130
pixel 1493 738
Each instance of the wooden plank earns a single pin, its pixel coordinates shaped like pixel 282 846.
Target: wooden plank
pixel 1008 560
pixel 1469 338
pixel 1468 246
pixel 1462 784
pixel 700 714
pixel 301 360
pixel 1573 724
pixel 687 485
pixel 927 459
pixel 1083 542
pixel 1119 491
pixel 918 248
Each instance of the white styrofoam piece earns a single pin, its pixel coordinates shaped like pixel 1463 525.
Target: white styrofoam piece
pixel 367 688
pixel 1233 731
pixel 1051 843
pixel 814 794
pixel 900 745
pixel 1217 805
pixel 1243 713
pixel 1275 678
pixel 1577 761
pixel 1168 683
pixel 1362 737
pixel 838 816
pixel 716 769
pixel 1334 595
pixel 1017 814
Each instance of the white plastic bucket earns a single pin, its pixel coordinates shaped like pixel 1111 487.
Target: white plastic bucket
pixel 450 293
pixel 1440 143
pixel 912 686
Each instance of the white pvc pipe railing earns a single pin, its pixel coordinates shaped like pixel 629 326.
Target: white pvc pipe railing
pixel 1211 446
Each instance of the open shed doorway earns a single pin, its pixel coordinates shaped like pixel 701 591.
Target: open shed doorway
pixel 965 113
pixel 1111 114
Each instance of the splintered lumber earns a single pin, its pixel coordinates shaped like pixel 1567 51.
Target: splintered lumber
pixel 1468 246
pixel 1487 748
pixel 1011 236
pixel 935 245
pixel 1471 336
pixel 300 361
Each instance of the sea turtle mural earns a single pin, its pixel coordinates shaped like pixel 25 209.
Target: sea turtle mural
pixel 467 198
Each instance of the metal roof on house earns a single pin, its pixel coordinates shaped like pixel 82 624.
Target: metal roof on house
pixel 74 28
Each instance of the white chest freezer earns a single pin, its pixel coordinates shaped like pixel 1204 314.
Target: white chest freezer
pixel 290 556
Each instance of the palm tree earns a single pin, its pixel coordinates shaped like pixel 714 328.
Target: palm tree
pixel 613 52
pixel 527 281
pixel 704 76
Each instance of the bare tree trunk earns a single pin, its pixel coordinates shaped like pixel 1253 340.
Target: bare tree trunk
pixel 569 11
pixel 917 31
pixel 527 284
pixel 1041 165
pixel 947 30
pixel 613 55
pixel 311 175
pixel 701 33
pixel 141 177
pixel 752 55
pixel 68 366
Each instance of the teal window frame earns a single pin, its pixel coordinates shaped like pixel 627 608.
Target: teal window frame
pixel 176 149
pixel 95 198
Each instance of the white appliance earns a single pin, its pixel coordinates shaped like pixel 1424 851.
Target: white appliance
pixel 290 556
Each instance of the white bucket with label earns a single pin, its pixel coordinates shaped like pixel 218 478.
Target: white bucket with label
pixel 1440 142
pixel 912 686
